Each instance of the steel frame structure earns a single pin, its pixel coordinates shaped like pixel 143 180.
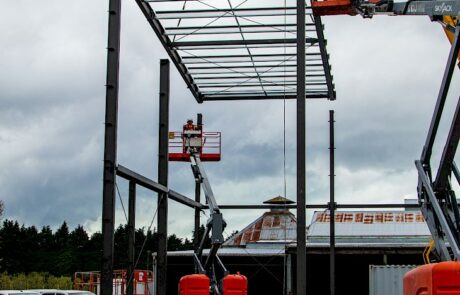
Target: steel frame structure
pixel 228 53
pixel 241 51
pixel 223 52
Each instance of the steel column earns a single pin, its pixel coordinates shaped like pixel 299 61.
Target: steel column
pixel 332 204
pixel 163 178
pixel 301 145
pixel 131 235
pixel 110 145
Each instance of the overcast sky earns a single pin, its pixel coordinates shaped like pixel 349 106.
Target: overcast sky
pixel 387 73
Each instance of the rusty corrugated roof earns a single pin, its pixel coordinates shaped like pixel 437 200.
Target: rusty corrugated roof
pixel 276 226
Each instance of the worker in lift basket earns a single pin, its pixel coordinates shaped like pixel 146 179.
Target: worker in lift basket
pixel 189 125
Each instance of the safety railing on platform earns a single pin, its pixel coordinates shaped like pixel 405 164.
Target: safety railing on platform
pixel 210 147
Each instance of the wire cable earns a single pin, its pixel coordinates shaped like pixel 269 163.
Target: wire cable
pixel 121 201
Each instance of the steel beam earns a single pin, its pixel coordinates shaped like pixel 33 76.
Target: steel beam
pixel 269 46
pixel 156 187
pixel 324 56
pixel 131 236
pixel 447 78
pixel 301 147
pixel 332 204
pixel 165 41
pixel 239 42
pixel 250 26
pixel 261 97
pixel 110 145
pixel 245 77
pixel 211 66
pixel 141 180
pixel 273 84
pixel 317 206
pixel 162 221
pixel 245 55
pixel 173 195
pixel 228 12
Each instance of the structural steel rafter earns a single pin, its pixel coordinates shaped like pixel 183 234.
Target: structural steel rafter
pixel 240 49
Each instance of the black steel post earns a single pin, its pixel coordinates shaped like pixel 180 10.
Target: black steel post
pixel 332 203
pixel 196 245
pixel 131 235
pixel 163 178
pixel 301 146
pixel 110 146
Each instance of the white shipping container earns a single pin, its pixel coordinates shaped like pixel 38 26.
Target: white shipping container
pixel 387 279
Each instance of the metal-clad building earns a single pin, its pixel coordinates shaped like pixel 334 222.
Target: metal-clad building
pixel 371 227
pixel 265 249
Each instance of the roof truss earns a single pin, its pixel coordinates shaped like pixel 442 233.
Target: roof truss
pixel 240 50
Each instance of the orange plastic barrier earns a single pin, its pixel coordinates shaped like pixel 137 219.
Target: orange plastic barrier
pixel 433 279
pixel 235 285
pixel 197 284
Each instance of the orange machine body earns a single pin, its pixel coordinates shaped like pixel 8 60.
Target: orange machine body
pixel 332 7
pixel 196 284
pixel 433 279
pixel 235 285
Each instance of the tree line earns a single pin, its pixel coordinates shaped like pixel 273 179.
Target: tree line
pixel 63 252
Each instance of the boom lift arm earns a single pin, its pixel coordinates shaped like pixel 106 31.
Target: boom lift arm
pixel 195 148
pixel 446 12
pixel 437 197
pixel 215 225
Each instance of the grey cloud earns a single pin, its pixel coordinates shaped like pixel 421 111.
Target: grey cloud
pixel 387 72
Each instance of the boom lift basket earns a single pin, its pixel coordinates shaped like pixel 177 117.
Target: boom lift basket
pixel 208 144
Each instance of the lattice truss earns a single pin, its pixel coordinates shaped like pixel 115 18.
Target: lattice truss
pixel 240 49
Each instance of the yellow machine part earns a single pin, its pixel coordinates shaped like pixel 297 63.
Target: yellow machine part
pixel 449 23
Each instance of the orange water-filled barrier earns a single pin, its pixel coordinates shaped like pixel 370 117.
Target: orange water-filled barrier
pixel 235 285
pixel 197 284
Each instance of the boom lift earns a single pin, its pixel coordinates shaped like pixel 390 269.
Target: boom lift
pixel 436 195
pixel 211 275
pixel 444 12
